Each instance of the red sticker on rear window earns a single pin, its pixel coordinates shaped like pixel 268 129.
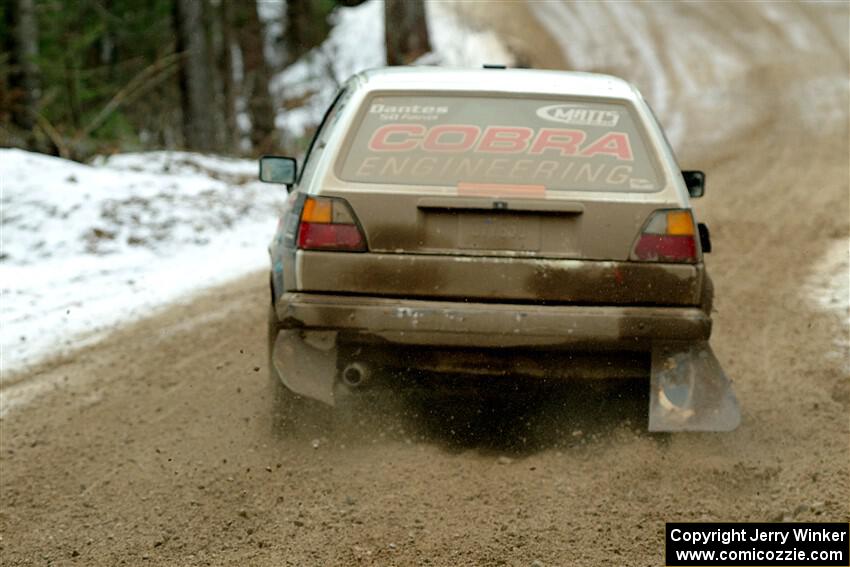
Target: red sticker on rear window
pixel 449 140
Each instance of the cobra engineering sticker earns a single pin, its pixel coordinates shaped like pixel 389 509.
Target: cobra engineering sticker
pixel 447 140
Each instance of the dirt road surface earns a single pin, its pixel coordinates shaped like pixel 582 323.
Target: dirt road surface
pixel 154 446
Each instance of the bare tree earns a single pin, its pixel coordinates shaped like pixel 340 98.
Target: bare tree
pixel 256 77
pixel 24 76
pixel 198 98
pixel 405 30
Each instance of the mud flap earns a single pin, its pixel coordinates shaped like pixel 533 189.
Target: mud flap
pixel 689 391
pixel 306 362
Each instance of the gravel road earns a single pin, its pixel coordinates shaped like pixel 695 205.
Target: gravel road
pixel 155 446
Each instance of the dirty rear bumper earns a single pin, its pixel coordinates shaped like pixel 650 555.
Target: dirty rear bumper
pixel 315 336
pixel 465 324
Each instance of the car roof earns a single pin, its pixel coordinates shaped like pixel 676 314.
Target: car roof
pixel 527 81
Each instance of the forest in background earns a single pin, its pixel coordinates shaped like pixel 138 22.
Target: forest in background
pixel 86 77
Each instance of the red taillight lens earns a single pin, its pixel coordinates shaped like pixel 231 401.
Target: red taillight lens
pixel 665 248
pixel 313 236
pixel 668 236
pixel 329 224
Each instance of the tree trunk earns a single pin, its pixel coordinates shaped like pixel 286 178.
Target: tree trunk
pixel 228 71
pixel 256 78
pixel 214 22
pixel 306 27
pixel 198 99
pixel 24 76
pixel 405 30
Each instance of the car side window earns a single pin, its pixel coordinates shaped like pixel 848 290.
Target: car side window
pixel 317 145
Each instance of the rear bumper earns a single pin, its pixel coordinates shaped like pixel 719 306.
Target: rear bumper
pixel 463 324
pixel 317 335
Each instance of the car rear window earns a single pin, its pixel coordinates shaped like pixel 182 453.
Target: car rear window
pixel 559 144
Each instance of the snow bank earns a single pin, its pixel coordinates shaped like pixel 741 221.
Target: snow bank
pixel 456 44
pixel 87 247
pixel 828 290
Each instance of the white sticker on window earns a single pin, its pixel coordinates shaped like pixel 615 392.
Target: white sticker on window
pixel 579 115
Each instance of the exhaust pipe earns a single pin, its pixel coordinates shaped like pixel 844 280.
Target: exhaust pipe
pixel 356 374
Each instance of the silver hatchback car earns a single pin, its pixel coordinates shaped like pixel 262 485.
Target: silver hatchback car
pixel 494 221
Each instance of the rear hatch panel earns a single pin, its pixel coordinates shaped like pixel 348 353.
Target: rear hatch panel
pixel 410 223
pixel 495 197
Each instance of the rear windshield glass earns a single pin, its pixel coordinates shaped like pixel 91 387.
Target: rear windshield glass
pixel 456 140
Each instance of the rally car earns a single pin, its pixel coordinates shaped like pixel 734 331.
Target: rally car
pixel 496 221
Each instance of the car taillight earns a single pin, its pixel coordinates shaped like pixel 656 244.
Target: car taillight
pixel 668 236
pixel 328 224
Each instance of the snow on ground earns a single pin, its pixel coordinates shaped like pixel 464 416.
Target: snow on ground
pixel 456 44
pixel 85 247
pixel 830 282
pixel 356 43
pixel 828 289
